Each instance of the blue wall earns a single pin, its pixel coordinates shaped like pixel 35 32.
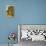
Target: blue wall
pixel 27 12
pixel 31 11
pixel 7 24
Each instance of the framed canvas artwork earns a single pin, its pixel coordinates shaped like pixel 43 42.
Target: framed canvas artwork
pixel 10 10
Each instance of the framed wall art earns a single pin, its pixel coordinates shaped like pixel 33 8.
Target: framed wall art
pixel 10 10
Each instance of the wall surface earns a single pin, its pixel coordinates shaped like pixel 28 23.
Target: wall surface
pixel 27 12
pixel 31 11
pixel 7 24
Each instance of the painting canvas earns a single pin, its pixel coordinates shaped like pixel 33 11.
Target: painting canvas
pixel 10 10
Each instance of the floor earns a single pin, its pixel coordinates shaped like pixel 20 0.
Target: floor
pixel 7 45
pixel 30 43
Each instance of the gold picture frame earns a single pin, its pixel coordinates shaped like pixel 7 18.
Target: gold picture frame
pixel 10 10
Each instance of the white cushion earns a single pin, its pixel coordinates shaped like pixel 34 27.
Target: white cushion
pixel 24 33
pixel 37 37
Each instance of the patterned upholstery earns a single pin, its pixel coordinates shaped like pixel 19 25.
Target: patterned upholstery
pixel 30 31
